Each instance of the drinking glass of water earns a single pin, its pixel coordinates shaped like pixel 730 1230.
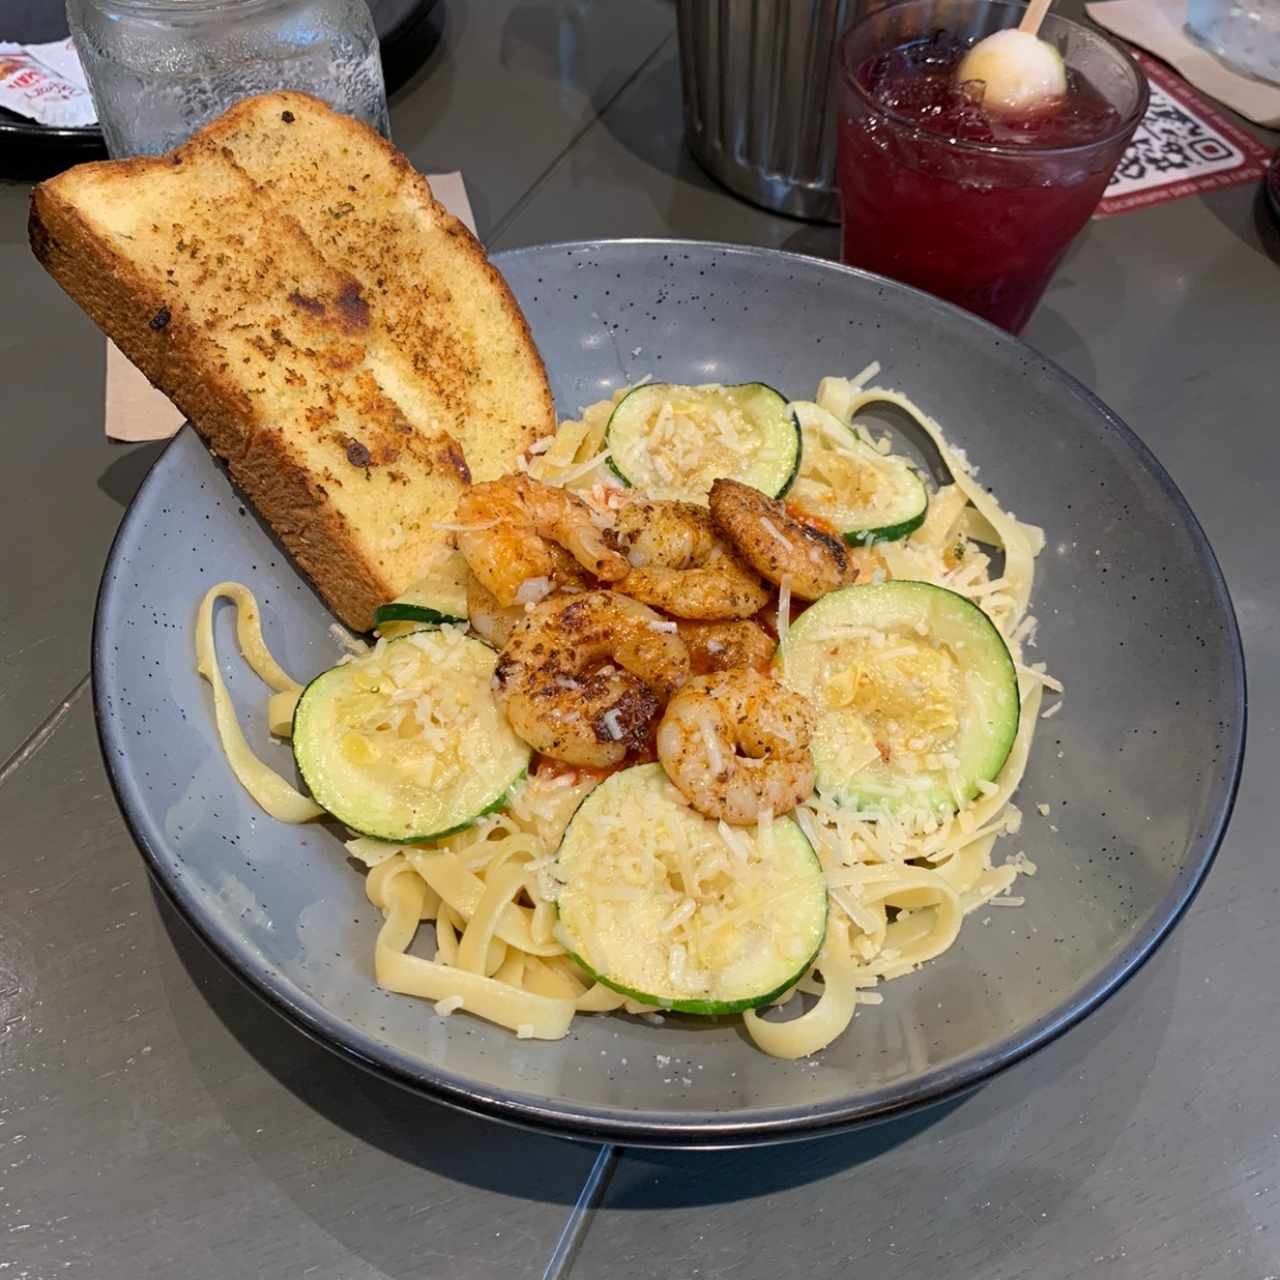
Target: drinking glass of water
pixel 1245 34
pixel 161 69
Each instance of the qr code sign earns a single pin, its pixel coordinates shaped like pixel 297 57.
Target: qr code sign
pixel 1183 146
pixel 1170 143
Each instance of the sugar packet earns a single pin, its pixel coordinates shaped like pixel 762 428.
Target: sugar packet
pixel 44 82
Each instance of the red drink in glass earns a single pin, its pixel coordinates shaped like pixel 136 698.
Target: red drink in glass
pixel 972 205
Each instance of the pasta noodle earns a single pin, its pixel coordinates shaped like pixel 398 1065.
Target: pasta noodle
pixel 899 887
pixel 264 784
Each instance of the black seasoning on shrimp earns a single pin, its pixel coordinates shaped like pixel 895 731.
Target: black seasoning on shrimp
pixel 584 677
pixel 778 546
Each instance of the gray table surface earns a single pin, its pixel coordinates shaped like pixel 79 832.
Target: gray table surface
pixel 155 1120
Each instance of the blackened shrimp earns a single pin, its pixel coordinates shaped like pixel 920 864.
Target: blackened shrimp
pixel 721 646
pixel 584 677
pixel 778 546
pixel 494 622
pixel 680 564
pixel 507 526
pixel 736 744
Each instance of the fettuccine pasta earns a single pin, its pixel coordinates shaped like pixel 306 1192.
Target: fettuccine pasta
pixel 481 904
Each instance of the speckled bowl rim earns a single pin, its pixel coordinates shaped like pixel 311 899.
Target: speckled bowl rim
pixel 707 1129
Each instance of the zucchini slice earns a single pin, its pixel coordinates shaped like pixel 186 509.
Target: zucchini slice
pixel 438 597
pixel 916 693
pixel 751 933
pixel 673 441
pixel 406 742
pixel 865 495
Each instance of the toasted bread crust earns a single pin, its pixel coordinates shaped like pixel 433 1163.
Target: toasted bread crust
pixel 391 390
pixel 125 306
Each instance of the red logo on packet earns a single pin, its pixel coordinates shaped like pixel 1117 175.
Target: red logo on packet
pixel 41 92
pixel 1183 146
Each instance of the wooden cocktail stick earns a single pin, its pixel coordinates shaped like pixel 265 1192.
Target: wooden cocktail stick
pixel 1034 16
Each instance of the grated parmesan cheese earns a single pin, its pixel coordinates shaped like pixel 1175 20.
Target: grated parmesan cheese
pixel 774 532
pixel 712 744
pixel 532 590
pixel 583 468
pixel 784 610
pixel 449 526
pixel 352 644
pixel 871 861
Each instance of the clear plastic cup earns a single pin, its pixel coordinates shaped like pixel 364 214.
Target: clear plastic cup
pixel 980 223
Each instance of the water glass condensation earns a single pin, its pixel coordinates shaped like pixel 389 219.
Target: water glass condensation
pixel 1245 34
pixel 161 69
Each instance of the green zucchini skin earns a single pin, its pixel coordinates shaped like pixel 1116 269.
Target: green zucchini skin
pixel 358 798
pixel 907 512
pixel 703 1008
pixel 770 398
pixel 799 865
pixel 435 600
pixel 990 712
pixel 498 804
pixel 887 533
pixel 398 612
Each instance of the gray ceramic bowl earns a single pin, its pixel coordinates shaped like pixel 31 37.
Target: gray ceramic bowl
pixel 1139 768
